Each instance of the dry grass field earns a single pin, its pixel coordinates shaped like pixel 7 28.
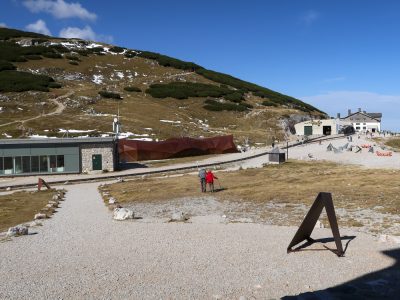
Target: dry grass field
pixel 294 184
pixel 20 207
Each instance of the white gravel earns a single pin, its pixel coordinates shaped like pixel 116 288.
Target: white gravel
pixel 81 253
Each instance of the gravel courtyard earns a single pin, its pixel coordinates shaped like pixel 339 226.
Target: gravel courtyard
pixel 81 253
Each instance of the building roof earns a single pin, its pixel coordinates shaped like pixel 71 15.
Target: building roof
pixel 375 116
pixel 37 141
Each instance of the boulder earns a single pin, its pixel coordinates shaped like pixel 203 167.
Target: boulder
pixel 56 197
pixel 179 217
pixel 120 179
pixel 17 230
pixel 34 223
pixel 123 213
pixel 54 203
pixel 40 216
pixel 112 200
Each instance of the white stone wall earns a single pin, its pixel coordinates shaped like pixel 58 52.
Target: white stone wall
pixel 107 156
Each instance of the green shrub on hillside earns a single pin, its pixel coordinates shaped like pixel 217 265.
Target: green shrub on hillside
pixel 12 52
pixel 33 57
pixel 269 103
pixel 130 54
pixel 132 89
pixel 112 95
pixel 83 52
pixel 167 61
pixel 59 48
pixel 55 85
pixel 72 57
pixel 96 49
pixel 234 97
pixel 184 90
pixel 52 55
pixel 5 65
pixel 116 49
pixel 8 33
pixel 213 105
pixel 15 81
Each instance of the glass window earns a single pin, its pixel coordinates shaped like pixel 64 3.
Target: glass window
pixel 1 166
pixel 8 165
pixel 17 164
pixel 34 164
pixel 53 163
pixel 60 163
pixel 26 164
pixel 44 163
pixel 358 127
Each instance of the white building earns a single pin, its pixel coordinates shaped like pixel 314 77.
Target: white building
pixel 363 121
pixel 320 127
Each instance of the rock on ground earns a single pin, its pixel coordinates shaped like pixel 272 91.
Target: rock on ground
pixel 123 213
pixel 17 230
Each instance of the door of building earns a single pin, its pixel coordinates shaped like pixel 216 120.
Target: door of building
pixel 307 130
pixel 327 130
pixel 96 162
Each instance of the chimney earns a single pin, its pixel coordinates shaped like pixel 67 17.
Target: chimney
pixel 359 109
pixel 338 115
pixel 349 112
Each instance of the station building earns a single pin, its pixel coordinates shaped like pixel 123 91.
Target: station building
pixel 57 156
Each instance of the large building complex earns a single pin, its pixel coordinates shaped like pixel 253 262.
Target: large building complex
pixel 363 121
pixel 54 156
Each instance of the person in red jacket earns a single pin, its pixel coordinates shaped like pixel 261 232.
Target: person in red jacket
pixel 210 180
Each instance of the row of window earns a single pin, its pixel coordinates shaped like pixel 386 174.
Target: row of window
pixel 359 123
pixel 358 127
pixel 31 164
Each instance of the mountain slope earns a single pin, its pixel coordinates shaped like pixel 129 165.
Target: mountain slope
pixel 157 96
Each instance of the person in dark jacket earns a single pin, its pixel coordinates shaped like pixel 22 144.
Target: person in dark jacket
pixel 202 176
pixel 210 180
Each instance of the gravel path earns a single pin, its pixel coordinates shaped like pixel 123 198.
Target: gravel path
pixel 81 253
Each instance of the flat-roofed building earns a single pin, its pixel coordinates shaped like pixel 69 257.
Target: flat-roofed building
pixel 56 155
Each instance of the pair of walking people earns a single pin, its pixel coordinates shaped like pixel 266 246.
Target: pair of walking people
pixel 206 179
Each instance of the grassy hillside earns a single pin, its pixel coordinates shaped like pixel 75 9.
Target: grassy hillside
pixel 49 85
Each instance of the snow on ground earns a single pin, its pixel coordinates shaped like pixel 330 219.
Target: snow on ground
pixel 169 121
pixel 74 130
pixel 120 75
pixel 38 136
pixel 135 136
pixel 93 45
pixel 98 79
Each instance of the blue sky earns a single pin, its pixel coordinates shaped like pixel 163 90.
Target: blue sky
pixel 333 54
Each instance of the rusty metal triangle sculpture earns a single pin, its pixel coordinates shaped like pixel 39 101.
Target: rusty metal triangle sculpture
pixel 308 224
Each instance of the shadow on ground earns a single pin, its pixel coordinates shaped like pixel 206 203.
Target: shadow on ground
pixel 129 166
pixel 383 284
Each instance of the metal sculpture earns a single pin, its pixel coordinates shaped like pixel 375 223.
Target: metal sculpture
pixel 308 224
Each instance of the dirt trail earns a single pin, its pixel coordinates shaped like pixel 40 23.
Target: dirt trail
pixel 60 108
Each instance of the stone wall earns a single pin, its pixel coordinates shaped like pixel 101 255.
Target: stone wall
pixel 107 154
